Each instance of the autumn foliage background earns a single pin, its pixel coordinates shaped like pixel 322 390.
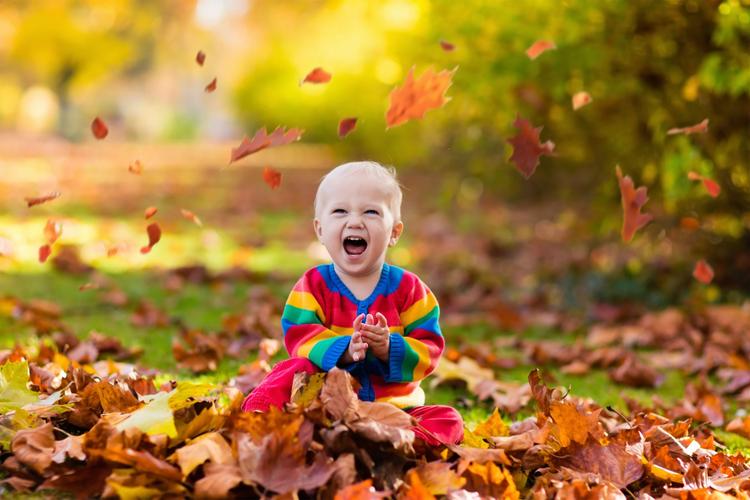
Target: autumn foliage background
pixel 514 258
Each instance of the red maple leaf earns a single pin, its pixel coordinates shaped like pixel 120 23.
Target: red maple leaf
pixel 632 202
pixel 154 235
pixel 703 272
pixel 99 128
pixel 539 47
pixel 317 75
pixel 346 125
pixel 527 147
pixel 262 140
pixel 417 96
pixel 711 185
pixel 211 86
pixel 272 177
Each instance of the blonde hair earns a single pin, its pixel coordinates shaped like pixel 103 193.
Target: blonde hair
pixel 386 173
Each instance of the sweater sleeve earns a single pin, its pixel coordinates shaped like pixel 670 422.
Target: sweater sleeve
pixel 305 333
pixel 415 354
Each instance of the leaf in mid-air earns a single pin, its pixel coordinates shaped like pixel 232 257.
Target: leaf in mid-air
pixel 271 177
pixel 154 235
pixel 191 217
pixel 150 212
pixel 317 75
pixel 703 272
pixel 261 140
pixel 417 96
pixel 447 46
pixel 698 128
pixel 346 125
pixel 632 202
pixel 99 128
pixel 38 200
pixel 711 185
pixel 580 99
pixel 200 58
pixel 211 86
pixel 136 167
pixel 539 47
pixel 527 147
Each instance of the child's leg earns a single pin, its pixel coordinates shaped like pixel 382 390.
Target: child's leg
pixel 276 388
pixel 438 424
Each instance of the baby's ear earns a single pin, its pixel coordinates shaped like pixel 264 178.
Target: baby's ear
pixel 398 228
pixel 318 228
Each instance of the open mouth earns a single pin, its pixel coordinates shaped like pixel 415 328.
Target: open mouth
pixel 354 245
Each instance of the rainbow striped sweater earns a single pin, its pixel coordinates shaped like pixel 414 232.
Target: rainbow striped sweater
pixel 318 324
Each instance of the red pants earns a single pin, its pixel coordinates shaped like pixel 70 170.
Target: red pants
pixel 436 424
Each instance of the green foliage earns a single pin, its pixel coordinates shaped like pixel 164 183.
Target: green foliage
pixel 14 393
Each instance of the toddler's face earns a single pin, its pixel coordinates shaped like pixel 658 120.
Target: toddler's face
pixel 355 223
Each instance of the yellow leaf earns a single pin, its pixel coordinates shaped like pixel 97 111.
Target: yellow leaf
pixel 154 418
pixel 492 427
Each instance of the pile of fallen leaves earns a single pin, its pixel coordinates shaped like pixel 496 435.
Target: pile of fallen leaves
pixel 98 427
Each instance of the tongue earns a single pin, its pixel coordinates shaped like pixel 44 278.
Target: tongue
pixel 354 248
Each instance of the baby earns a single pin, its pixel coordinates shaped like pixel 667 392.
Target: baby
pixel 377 321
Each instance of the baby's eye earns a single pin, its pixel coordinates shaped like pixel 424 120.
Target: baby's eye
pixel 372 212
pixel 339 211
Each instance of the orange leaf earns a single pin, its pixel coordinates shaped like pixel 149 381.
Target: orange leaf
pixel 211 86
pixel 262 140
pixel 447 46
pixel 527 147
pixel 99 128
pixel 191 216
pixel 150 212
pixel 538 47
pixel 87 286
pixel 632 202
pixel 359 491
pixel 690 223
pixel 42 199
pixel 699 128
pixel 135 168
pixel 415 97
pixel 346 125
pixel 712 187
pixel 317 75
pixel 52 231
pixel 154 235
pixel 200 58
pixel 271 177
pixel 580 99
pixel 44 252
pixel 703 272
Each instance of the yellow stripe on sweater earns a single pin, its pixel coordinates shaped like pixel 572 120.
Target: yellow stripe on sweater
pixel 418 309
pixel 306 300
pixel 424 357
pixel 304 349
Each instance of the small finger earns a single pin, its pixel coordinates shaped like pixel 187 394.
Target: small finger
pixel 382 322
pixel 358 322
pixel 370 319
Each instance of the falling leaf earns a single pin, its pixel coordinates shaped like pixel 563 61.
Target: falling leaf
pixel 580 99
pixel 154 235
pixel 346 126
pixel 191 217
pixel 99 128
pixel 271 177
pixel 88 286
pixel 200 58
pixel 52 230
pixel 527 147
pixel 44 253
pixel 690 223
pixel 150 212
pixel 211 86
pixel 42 199
pixel 632 203
pixel 317 75
pixel 262 140
pixel 539 47
pixel 703 272
pixel 711 186
pixel 136 167
pixel 699 128
pixel 415 97
pixel 447 46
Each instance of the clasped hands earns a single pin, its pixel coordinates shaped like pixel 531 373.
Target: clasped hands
pixel 368 335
